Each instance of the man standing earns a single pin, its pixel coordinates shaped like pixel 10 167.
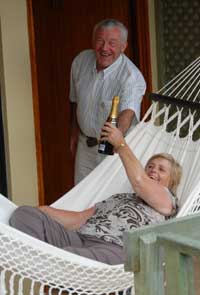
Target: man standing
pixel 96 76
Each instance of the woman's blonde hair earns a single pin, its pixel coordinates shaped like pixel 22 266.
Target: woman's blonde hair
pixel 176 170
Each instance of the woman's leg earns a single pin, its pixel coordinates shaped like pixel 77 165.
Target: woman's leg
pixel 39 225
pixel 97 249
pixel 36 223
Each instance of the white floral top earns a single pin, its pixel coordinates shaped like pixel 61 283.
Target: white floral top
pixel 119 213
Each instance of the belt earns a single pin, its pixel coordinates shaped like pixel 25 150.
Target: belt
pixel 91 141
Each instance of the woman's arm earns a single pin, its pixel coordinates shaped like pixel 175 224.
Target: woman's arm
pixel 148 189
pixel 69 219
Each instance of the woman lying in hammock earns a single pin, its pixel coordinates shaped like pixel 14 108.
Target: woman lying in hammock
pixel 97 233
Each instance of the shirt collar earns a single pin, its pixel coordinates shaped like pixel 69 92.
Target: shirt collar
pixel 109 69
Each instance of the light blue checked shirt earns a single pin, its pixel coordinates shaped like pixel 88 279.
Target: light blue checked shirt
pixel 93 92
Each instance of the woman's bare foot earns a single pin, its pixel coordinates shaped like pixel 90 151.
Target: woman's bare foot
pixel 69 219
pixel 86 214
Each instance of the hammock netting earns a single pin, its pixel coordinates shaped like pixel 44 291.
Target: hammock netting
pixel 172 125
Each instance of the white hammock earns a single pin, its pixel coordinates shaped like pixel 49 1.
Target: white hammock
pixel 28 265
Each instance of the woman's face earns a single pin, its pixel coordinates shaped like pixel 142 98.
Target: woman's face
pixel 159 169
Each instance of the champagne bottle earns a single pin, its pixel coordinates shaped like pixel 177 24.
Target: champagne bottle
pixel 104 146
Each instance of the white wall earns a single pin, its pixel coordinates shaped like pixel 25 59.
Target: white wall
pixel 15 79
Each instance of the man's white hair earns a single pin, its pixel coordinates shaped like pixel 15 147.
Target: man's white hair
pixel 111 23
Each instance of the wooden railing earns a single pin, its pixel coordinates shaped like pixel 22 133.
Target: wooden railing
pixel 164 257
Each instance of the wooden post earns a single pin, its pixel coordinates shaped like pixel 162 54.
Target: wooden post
pixel 149 280
pixel 164 253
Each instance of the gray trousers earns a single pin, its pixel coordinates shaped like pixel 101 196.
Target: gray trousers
pixel 87 159
pixel 36 223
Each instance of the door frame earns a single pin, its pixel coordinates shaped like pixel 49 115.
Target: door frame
pixel 141 13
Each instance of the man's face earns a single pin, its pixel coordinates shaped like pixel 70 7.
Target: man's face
pixel 108 46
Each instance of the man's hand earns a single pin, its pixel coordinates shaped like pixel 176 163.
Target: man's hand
pixel 74 141
pixel 75 130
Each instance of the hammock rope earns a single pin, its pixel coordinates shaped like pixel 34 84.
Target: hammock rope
pixel 179 80
pixel 27 263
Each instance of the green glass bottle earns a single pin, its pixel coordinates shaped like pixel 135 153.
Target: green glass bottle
pixel 105 147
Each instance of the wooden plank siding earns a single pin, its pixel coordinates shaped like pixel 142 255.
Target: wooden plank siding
pixel 165 257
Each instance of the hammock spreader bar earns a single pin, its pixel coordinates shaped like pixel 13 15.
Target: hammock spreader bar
pixel 180 103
